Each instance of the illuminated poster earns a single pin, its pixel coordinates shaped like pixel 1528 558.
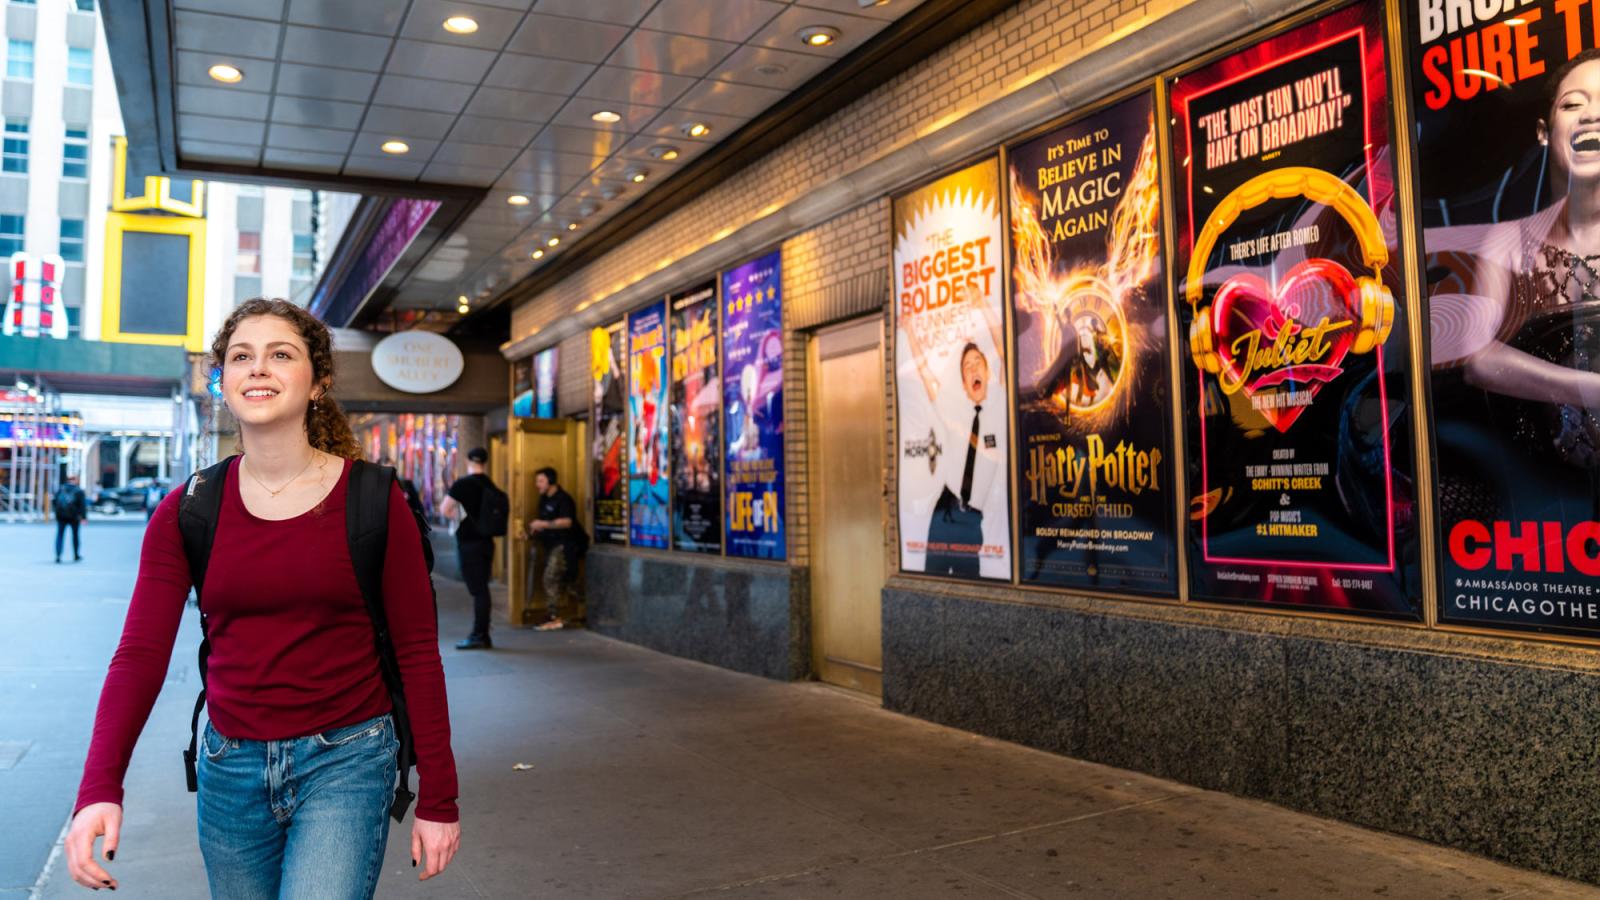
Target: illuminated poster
pixel 696 432
pixel 522 388
pixel 545 366
pixel 607 349
pixel 1508 157
pixel 1299 441
pixel 955 515
pixel 647 427
pixel 752 392
pixel 1094 457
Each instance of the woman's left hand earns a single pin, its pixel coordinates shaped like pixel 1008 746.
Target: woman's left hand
pixel 434 844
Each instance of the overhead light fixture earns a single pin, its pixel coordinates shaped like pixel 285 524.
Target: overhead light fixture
pixel 461 24
pixel 588 209
pixel 463 309
pixel 572 226
pixel 607 116
pixel 697 129
pixel 771 70
pixel 517 200
pixel 226 74
pixel 664 151
pixel 396 147
pixel 637 176
pixel 552 242
pixel 537 254
pixel 818 35
pixel 610 192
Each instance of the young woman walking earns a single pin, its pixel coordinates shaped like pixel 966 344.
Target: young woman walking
pixel 297 765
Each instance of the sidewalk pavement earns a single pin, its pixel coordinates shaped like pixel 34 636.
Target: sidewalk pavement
pixel 657 777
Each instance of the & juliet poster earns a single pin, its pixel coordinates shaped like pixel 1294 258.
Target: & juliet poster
pixel 1095 491
pixel 608 349
pixel 648 480
pixel 950 376
pixel 1296 389
pixel 1507 109
pixel 752 396
pixel 696 420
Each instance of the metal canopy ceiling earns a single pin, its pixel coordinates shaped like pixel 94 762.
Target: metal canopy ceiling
pixel 506 110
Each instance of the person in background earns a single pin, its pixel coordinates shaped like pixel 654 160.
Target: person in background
pixel 474 545
pixel 71 506
pixel 152 499
pixel 407 487
pixel 556 529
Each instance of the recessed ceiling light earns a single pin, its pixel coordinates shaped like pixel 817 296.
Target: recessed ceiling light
pixel 396 147
pixel 818 35
pixel 226 74
pixel 588 209
pixel 537 254
pixel 517 200
pixel 637 176
pixel 552 242
pixel 771 70
pixel 461 24
pixel 463 309
pixel 611 192
pixel 607 116
pixel 664 151
pixel 572 226
pixel 697 129
pixel 462 299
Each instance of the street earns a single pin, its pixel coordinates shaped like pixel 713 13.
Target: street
pixel 592 768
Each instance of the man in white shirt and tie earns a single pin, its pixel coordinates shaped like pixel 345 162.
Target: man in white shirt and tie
pixel 967 471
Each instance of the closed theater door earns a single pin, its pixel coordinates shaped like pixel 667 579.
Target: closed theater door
pixel 847 525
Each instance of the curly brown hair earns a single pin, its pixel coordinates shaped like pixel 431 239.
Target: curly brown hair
pixel 326 426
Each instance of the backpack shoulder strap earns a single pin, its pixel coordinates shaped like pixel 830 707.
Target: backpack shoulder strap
pixel 198 511
pixel 367 528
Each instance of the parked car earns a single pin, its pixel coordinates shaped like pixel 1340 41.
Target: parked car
pixel 131 498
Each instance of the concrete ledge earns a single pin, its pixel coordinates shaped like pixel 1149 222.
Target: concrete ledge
pixel 1406 733
pixel 744 615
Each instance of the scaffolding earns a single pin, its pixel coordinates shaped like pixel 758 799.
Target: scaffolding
pixel 38 447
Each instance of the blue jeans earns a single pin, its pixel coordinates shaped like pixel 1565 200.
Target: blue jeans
pixel 61 531
pixel 300 819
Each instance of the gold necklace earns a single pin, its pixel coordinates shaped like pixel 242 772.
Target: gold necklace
pixel 286 484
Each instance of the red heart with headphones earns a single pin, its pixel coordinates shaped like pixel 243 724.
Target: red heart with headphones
pixel 1280 347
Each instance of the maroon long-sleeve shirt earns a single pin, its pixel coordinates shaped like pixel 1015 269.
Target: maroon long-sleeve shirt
pixel 292 650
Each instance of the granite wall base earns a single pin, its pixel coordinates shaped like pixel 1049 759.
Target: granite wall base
pixel 1438 740
pixel 748 616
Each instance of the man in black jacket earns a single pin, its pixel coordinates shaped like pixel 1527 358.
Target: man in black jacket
pixel 474 544
pixel 71 506
pixel 557 530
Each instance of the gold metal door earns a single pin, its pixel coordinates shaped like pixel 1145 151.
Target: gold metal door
pixel 499 473
pixel 847 525
pixel 536 443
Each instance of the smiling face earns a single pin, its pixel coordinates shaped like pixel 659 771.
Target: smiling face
pixel 975 374
pixel 1572 127
pixel 266 374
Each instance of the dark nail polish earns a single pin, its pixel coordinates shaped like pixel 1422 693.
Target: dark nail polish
pixel 111 854
pixel 106 883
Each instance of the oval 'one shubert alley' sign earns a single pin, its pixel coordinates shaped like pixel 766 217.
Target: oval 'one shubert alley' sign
pixel 417 362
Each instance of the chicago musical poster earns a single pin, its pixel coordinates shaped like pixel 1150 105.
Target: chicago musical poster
pixel 608 347
pixel 1299 432
pixel 950 372
pixel 1089 311
pixel 696 420
pixel 1508 157
pixel 752 396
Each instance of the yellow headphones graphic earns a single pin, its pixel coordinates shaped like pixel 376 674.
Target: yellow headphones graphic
pixel 1375 303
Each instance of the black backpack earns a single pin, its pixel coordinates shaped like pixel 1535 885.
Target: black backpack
pixel 64 502
pixel 493 512
pixel 367 526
